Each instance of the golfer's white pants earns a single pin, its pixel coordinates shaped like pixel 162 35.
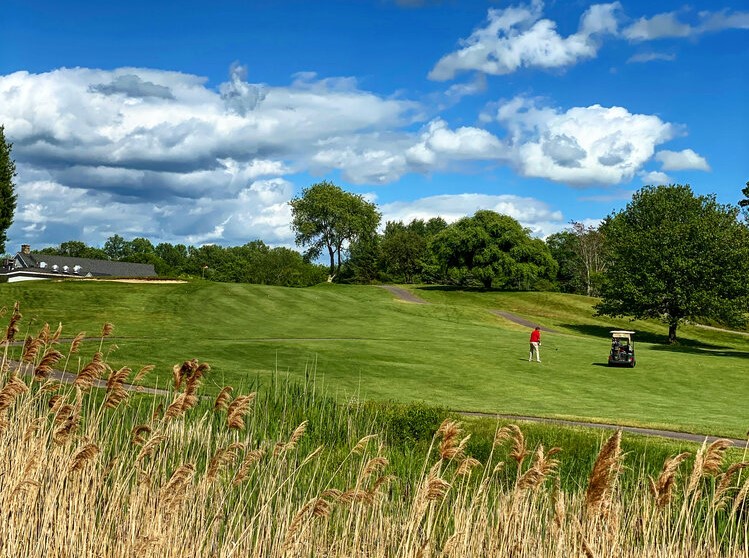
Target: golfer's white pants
pixel 535 348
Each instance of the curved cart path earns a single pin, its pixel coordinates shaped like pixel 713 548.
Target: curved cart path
pixel 670 434
pixel 521 321
pixel 403 294
pixel 68 378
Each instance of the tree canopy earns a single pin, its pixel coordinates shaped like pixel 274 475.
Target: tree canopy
pixel 493 250
pixel 327 217
pixel 403 250
pixel 745 191
pixel 562 246
pixel 676 256
pixel 7 188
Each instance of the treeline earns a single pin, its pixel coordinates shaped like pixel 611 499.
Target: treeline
pixel 486 250
pixel 254 262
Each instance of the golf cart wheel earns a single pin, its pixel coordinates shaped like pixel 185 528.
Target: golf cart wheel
pixel 632 364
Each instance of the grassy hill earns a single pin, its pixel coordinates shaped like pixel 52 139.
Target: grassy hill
pixel 359 341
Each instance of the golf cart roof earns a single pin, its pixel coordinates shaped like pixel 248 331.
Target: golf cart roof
pixel 622 333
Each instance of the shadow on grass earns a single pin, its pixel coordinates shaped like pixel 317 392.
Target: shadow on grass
pixel 641 336
pixel 703 349
pixel 659 342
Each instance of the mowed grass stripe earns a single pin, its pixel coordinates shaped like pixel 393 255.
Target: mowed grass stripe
pixel 362 342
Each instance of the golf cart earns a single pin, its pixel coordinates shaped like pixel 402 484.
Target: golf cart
pixel 622 349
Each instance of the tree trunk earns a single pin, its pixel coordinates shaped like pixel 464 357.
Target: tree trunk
pixel 588 286
pixel 487 281
pixel 672 332
pixel 338 267
pixel 332 264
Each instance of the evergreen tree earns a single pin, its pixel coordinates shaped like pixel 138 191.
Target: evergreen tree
pixel 7 188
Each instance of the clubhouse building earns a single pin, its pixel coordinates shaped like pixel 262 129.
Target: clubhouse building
pixel 30 266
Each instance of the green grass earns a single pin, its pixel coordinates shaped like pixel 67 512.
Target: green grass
pixel 359 342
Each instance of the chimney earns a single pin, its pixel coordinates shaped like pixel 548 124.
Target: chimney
pixel 25 248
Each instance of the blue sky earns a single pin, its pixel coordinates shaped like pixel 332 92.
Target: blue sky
pixel 196 122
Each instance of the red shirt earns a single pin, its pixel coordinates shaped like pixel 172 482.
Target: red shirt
pixel 536 336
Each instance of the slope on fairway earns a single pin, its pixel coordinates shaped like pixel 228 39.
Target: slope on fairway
pixel 362 342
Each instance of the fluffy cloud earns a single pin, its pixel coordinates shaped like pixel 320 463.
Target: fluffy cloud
pixel 50 210
pixel 160 154
pixel 439 143
pixel 655 177
pixel 518 37
pixel 669 25
pixel 681 160
pixel 583 145
pixel 531 213
pixel 152 153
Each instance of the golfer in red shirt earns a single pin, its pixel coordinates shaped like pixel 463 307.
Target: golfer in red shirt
pixel 535 344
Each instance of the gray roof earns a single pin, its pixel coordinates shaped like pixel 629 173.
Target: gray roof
pixel 95 268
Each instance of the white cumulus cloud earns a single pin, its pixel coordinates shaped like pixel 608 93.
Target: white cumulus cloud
pixel 655 178
pixel 685 159
pixel 142 152
pixel 159 154
pixel 518 36
pixel 582 145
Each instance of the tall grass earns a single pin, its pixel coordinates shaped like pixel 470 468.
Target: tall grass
pixel 285 472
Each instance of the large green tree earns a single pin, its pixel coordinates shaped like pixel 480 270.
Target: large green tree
pixel 404 248
pixel 562 246
pixel 363 262
pixel 494 250
pixel 676 256
pixel 325 217
pixel 7 188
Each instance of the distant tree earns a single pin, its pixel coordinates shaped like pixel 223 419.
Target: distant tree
pixel 363 264
pixel 404 249
pixel 254 262
pixel 325 217
pixel 139 250
pixel 78 249
pixel 589 249
pixel 676 256
pixel 433 226
pixel 75 249
pixel 285 267
pixel 562 246
pixel 494 250
pixel 7 188
pixel 174 258
pixel 116 247
pixel 745 192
